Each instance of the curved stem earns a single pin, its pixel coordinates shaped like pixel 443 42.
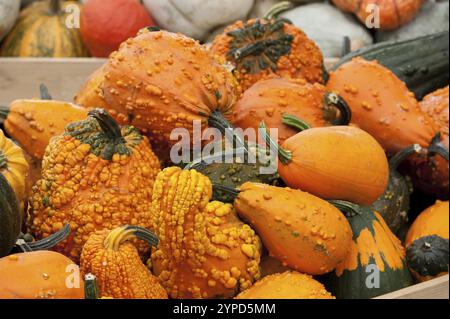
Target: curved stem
pixel 348 208
pixel 277 9
pixel 233 192
pixel 108 125
pixel 122 234
pixel 4 111
pixel 3 160
pixel 91 287
pixel 295 122
pixel 52 240
pixel 218 121
pixel 436 147
pixel 402 155
pixel 342 106
pixel 55 6
pixel 285 156
pixel 45 95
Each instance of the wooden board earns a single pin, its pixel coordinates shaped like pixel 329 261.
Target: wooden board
pixel 432 289
pixel 20 78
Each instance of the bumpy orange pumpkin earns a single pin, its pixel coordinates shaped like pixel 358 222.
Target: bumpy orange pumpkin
pixel 392 13
pixel 269 99
pixel 262 47
pixel 96 175
pixel 382 105
pixel 205 251
pixel 159 81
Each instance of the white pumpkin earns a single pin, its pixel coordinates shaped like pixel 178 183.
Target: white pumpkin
pixel 9 11
pixel 196 18
pixel 328 27
pixel 432 18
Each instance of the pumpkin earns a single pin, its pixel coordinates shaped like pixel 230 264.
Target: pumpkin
pixel 196 18
pixel 117 265
pixel 160 81
pixel 259 48
pixel 287 285
pixel 9 11
pixel 205 251
pixel 43 275
pixel 270 265
pixel 302 231
pixel 90 93
pixel 32 123
pixel 393 205
pixel 95 176
pixel 10 217
pixel 106 24
pixel 314 19
pixel 431 174
pixel 41 31
pixel 316 161
pixel 376 264
pixel 382 105
pixel 13 166
pixel 427 243
pixel 392 13
pixel 268 100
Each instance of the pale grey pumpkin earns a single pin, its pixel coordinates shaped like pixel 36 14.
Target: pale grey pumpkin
pixel 9 11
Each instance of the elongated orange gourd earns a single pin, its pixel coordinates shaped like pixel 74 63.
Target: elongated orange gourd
pixel 287 285
pixel 302 231
pixel 337 162
pixel 382 105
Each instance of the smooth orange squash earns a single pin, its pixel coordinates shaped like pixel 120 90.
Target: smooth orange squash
pixel 39 275
pixel 392 13
pixel 269 99
pixel 382 105
pixel 337 162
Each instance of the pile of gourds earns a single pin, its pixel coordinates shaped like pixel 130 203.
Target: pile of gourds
pixel 90 184
pixel 79 28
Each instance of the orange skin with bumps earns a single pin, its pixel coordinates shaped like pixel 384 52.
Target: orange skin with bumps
pixel 338 162
pixel 90 94
pixel 267 100
pixel 302 231
pixel 393 13
pixel 38 275
pixel 305 60
pixel 382 105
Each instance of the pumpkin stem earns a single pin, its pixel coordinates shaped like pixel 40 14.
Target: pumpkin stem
pixel 278 9
pixel 233 192
pixel 218 121
pixel 295 122
pixel 55 6
pixel 436 147
pixel 4 111
pixel 285 156
pixel 121 234
pixel 91 287
pixel 48 242
pixel 3 160
pixel 349 209
pixel 45 95
pixel 400 156
pixel 338 102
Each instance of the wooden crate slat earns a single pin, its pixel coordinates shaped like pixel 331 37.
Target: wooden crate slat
pixel 433 289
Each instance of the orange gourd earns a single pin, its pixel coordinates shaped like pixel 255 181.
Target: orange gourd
pixel 337 162
pixel 260 48
pixel 267 100
pixel 382 105
pixel 392 13
pixel 39 275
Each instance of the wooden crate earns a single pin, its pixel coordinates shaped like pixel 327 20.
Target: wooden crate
pixel 20 78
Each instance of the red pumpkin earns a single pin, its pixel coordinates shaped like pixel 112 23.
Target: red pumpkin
pixel 105 24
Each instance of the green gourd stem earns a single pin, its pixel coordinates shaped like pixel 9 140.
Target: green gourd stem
pixel 45 95
pixel 402 155
pixel 436 147
pixel 55 6
pixel 278 9
pixel 3 160
pixel 108 125
pixel 234 193
pixel 285 156
pixel 52 240
pixel 122 234
pixel 348 208
pixel 342 106
pixel 295 122
pixel 218 121
pixel 4 111
pixel 91 287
